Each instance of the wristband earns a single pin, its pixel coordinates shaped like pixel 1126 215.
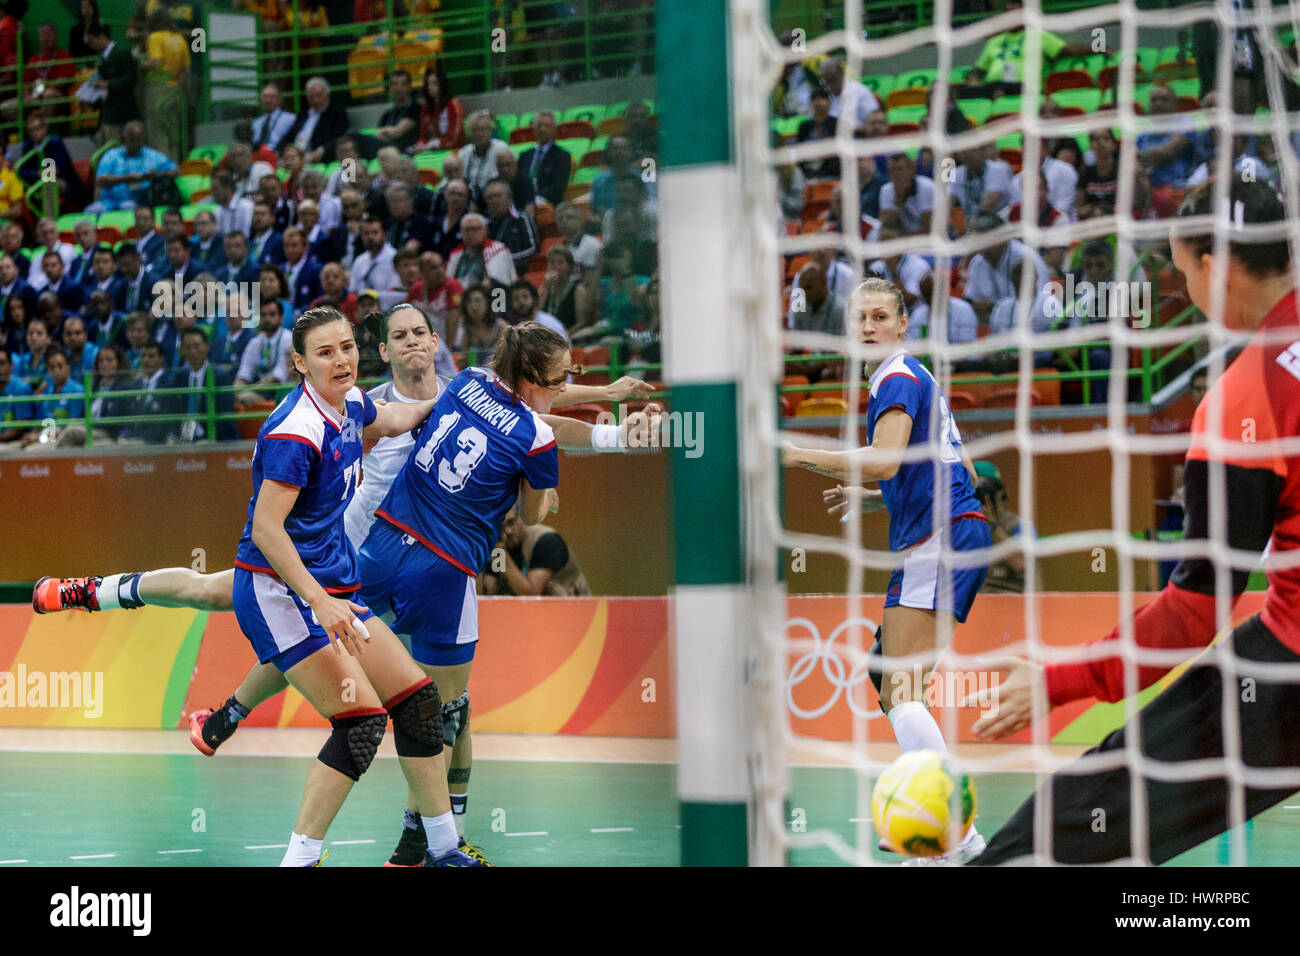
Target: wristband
pixel 605 438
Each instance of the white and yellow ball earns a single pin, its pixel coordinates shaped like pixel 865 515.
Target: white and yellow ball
pixel 917 801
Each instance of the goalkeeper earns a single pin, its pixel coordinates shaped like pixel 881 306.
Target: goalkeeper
pixel 1246 441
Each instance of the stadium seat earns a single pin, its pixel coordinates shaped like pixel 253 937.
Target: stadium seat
pixel 898 129
pixel 189 185
pixel 923 78
pixel 412 56
pixel 787 406
pixel 123 219
pixel 429 177
pixel 367 66
pixel 545 218
pixel 585 174
pixel 575 191
pixel 575 129
pixel 977 108
pixel 863 395
pixel 201 166
pixel 549 244
pixel 1068 80
pixel 817 196
pixel 521 147
pixel 960 401
pixel 1089 100
pixel 189 212
pixel 68 221
pixel 214 154
pixel 1010 141
pixel 1110 77
pixel 1172 69
pixel 817 407
pixel 1147 58
pixel 433 159
pixel 505 123
pixel 906 96
pixel 592 159
pixel 906 114
pixel 249 427
pixel 574 146
pixel 1093 64
pixel 593 114
pixel 612 126
pixel 536 278
pixel 1007 398
pixel 615 109
pixel 795 395
pixel 109 234
pixel 795 264
pixel 594 356
pixel 1012 156
pixel 522 134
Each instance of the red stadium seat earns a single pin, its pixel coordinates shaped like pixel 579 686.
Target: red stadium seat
pixel 1007 398
pixel 896 129
pixel 576 129
pixel 1067 80
pixel 961 401
pixel 523 134
pixel 791 380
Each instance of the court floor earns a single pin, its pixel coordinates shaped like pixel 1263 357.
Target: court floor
pixel 143 798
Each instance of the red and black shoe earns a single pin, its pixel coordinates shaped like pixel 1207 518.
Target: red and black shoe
pixel 65 594
pixel 209 729
pixel 411 848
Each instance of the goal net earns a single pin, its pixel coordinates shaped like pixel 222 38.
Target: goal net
pixel 1053 320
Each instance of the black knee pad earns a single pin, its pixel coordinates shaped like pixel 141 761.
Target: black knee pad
pixel 455 719
pixel 875 665
pixel 417 723
pixel 354 742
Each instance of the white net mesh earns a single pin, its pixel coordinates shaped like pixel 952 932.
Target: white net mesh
pixel 791 647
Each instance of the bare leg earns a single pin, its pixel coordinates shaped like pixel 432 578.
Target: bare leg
pixel 262 683
pixel 182 587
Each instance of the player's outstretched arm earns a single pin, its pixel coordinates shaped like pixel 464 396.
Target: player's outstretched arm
pixel 624 388
pixel 573 434
pixel 879 461
pixel 396 418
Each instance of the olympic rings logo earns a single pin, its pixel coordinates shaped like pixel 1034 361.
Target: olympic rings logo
pixel 832 666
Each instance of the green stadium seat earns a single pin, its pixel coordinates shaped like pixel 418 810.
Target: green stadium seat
pixel 123 219
pixel 958 75
pixel 1148 57
pixel 1011 141
pixel 189 212
pixel 586 175
pixel 1186 87
pixel 1094 64
pixel 431 160
pixel 906 114
pixel 600 142
pixel 787 126
pixel 34 255
pixel 882 84
pixel 592 113
pixel 1087 100
pixel 916 78
pixel 576 148
pixel 526 119
pixel 189 185
pixel 977 109
pixel 615 109
pixel 284 173
pixel 68 221
pixel 506 123
pixel 214 153
pixel 1168 54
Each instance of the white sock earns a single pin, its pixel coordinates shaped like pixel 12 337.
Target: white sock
pixel 107 593
pixel 915 728
pixel 303 851
pixel 441 833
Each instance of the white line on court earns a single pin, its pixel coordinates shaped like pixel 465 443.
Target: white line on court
pixel 611 829
pixel 348 842
pixel 527 833
pixel 268 846
pixel 165 852
pixel 13 861
pixel 93 856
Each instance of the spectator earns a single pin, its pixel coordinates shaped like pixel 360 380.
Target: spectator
pixel 266 357
pixel 620 293
pixel 641 133
pixel 318 127
pixel 349 159
pixel 318 240
pixel 136 330
pixel 232 334
pixel 480 259
pixel 240 266
pixel 291 162
pixel 1098 184
pixel 482 327
pixel 439 297
pixel 208 248
pixel 405 228
pixel 179 266
pixel 134 294
pixel 907 200
pixel 400 124
pixel 559 292
pixel 48 71
pixel 11 244
pixel 126 173
pixel 962 322
pixel 10 25
pixel 30 364
pixel 838 276
pixel 314 17
pixel 994 272
pixel 87 17
pixel 49 308
pixel 345 239
pixel 102 276
pixel 165 93
pixel 273 286
pixel 172 224
pixel 1166 157
pixel 58 391
pixel 790 187
pixel 1048 215
pixel 406 266
pixel 47 235
pixel 820 310
pixel 68 292
pixel 194 376
pixel 421 195
pixel 103 322
pixel 152 365
pixel 820 126
pixel 246 172
pixel 546 165
pixel 455 196
pixel 1001 63
pixel 537 562
pixel 1008 574
pixel 41 145
pixel 523 306
pixel 618 162
pixel 479 155
pixel 149 241
pixel 521 187
pixel 373 268
pixel 13 386
pixel 330 208
pixel 301 273
pixel 442 117
pixel 14 286
pixel 282 208
pixel 80 350
pixel 585 247
pixel 87 242
pixel 274 123
pixel 873 171
pixel 112 374
pixel 264 243
pixel 980 185
pixel 335 293
pixel 861 103
pixel 630 195
pixel 117 77
pixel 452 169
pixel 517 231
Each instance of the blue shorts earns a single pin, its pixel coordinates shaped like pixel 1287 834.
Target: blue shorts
pixel 279 624
pixel 925 581
pixel 432 600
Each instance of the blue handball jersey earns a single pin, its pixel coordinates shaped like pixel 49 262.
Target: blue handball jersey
pixel 307 443
pixel 903 382
pixel 464 471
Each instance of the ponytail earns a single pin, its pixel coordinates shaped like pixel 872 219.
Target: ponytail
pixel 523 353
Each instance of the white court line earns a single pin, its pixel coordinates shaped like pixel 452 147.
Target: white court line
pixel 611 829
pixel 527 833
pixel 13 861
pixel 348 842
pixel 164 852
pixel 1291 807
pixel 93 856
pixel 859 819
pixel 269 846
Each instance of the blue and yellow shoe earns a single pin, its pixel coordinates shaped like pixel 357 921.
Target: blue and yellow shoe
pixel 325 855
pixel 452 858
pixel 470 850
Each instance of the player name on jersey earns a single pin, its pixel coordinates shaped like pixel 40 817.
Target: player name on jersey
pixel 477 399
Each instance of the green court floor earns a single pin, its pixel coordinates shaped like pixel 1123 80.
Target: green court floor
pixel 95 809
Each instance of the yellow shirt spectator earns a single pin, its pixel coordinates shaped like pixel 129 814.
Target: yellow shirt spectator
pixel 169 49
pixel 11 191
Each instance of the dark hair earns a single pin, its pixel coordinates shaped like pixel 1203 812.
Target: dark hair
pixel 444 94
pixel 276 303
pixel 180 240
pixel 194 330
pixel 101 248
pixel 51 252
pixel 173 211
pixel 127 249
pixel 8 305
pixel 523 284
pixel 399 72
pixel 56 349
pixel 116 351
pixel 819 93
pixel 1248 202
pixel 376 323
pixel 402 255
pixel 312 319
pixel 476 290
pixel 151 344
pixel 1097 247
pixel 97 29
pixel 523 353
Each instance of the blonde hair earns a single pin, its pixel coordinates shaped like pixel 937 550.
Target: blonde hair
pixel 878 284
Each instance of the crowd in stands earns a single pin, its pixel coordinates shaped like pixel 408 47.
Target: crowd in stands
pixel 303 210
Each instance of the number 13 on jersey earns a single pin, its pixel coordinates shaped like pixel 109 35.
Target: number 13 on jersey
pixel 452 472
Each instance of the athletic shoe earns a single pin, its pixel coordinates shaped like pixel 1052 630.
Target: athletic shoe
pixel 209 729
pixel 970 848
pixel 470 850
pixel 65 594
pixel 325 855
pixel 411 848
pixel 452 858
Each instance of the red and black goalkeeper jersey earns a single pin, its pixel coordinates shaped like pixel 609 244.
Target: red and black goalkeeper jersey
pixel 1254 408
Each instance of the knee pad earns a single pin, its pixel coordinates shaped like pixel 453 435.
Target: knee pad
pixel 417 722
pixel 353 743
pixel 875 664
pixel 455 719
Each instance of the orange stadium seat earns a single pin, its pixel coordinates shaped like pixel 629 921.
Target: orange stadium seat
pixel 593 157
pixel 1012 156
pixel 413 56
pixel 195 167
pixel 1067 80
pixel 1007 398
pixel 959 401
pixel 911 96
pixel 791 380
pixel 536 278
pixel 367 66
pixel 612 126
pixel 821 407
pixel 574 190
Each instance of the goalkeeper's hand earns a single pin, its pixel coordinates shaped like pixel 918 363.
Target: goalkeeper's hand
pixel 1021 695
pixel 842 498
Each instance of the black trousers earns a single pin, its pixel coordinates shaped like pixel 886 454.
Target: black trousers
pixel 1092 811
